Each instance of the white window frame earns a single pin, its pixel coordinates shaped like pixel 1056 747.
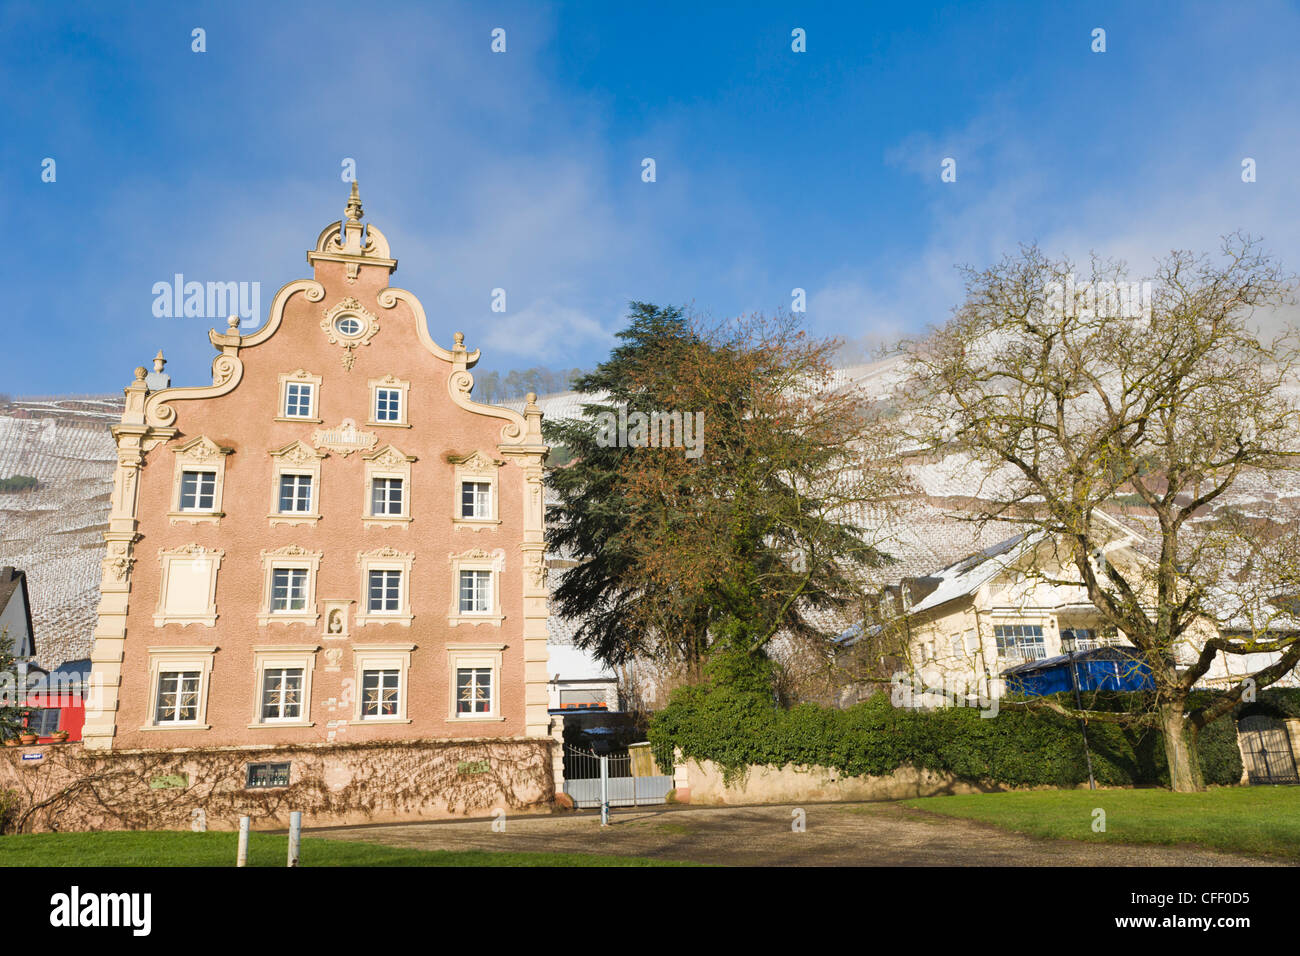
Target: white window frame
pixel 173 660
pixel 295 558
pixel 464 656
pixel 387 462
pixel 299 377
pixel 375 657
pixel 477 560
pixel 477 468
pixel 296 458
pixel 302 657
pixel 187 557
pixel 1001 650
pixel 403 389
pixel 199 454
pixel 385 559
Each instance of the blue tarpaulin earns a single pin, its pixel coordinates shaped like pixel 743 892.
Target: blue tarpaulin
pixel 1102 668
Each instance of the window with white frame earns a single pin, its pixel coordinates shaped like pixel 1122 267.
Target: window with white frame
pixel 295 493
pixel 955 642
pixel 473 690
pixel 198 490
pixel 178 683
pixel 475 582
pixel 388 401
pixel 386 496
pixel 475 491
pixel 388 405
pixel 388 483
pixel 1020 641
pixel 385 591
pixel 474 674
pixel 299 397
pixel 381 680
pixel 200 467
pixel 283 685
pixel 288 589
pixel 289 585
pixel 178 697
pixel 475 591
pixel 385 587
pixel 380 692
pixel 476 499
pixel 282 694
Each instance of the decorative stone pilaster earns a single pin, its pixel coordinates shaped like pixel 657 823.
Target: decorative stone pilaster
pixel 529 454
pixel 117 565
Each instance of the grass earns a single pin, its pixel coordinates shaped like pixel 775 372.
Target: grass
pixel 180 848
pixel 1258 821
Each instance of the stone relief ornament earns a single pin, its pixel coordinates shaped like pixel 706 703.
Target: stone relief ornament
pixel 344 439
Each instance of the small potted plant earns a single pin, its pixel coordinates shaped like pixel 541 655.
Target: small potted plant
pixel 60 736
pixel 27 738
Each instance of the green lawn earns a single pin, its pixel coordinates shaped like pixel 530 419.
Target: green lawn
pixel 1259 821
pixel 179 848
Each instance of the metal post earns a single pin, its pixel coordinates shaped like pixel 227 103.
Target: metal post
pixel 604 791
pixel 241 858
pixel 295 836
pixel 1078 704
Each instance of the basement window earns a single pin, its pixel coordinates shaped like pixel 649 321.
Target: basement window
pixel 264 776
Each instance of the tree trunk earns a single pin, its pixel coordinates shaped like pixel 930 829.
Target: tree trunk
pixel 1180 750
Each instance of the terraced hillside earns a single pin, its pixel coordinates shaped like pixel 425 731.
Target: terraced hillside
pixel 53 531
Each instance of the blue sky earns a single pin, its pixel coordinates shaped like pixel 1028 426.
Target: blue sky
pixel 522 170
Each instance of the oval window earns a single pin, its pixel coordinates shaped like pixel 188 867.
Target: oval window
pixel 348 325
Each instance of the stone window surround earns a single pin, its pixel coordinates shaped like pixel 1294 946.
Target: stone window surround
pixel 476 560
pixel 187 553
pixel 474 655
pixel 387 462
pixel 283 655
pixel 301 376
pixel 199 454
pixel 296 458
pixel 384 559
pixel 373 657
pixel 291 556
pixel 393 382
pixel 481 468
pixel 176 658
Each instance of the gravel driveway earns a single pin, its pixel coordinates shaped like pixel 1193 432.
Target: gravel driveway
pixel 841 834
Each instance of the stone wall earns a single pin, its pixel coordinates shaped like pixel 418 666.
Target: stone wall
pixel 70 788
pixel 704 782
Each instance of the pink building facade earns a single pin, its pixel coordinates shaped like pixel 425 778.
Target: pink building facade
pixel 330 544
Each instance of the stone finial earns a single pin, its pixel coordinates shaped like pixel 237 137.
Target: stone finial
pixel 232 324
pixel 140 373
pixel 458 339
pixel 531 398
pixel 354 210
pixel 159 361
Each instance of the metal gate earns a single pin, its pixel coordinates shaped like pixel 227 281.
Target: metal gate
pixel 1267 749
pixel 582 780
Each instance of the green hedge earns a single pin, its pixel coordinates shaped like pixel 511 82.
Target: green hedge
pixel 736 729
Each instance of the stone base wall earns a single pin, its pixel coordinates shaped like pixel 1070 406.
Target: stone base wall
pixel 70 788
pixel 705 783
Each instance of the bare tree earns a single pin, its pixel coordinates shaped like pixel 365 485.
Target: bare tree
pixel 1069 393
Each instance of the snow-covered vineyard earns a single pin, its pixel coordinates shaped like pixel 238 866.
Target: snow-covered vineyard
pixel 53 531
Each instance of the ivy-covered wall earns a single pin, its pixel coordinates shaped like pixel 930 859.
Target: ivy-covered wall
pixel 71 788
pixel 737 728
